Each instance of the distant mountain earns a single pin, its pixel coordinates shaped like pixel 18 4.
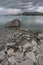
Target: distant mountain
pixel 25 13
pixel 32 13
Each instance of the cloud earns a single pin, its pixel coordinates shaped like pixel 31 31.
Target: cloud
pixel 40 9
pixel 4 11
pixel 20 7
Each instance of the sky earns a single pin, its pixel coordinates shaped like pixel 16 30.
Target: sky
pixel 20 6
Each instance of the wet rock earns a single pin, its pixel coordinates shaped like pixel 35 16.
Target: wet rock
pixel 13 23
pixel 10 52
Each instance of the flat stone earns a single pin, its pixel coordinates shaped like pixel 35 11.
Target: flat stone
pixel 31 56
pixel 12 60
pixel 10 52
pixel 27 45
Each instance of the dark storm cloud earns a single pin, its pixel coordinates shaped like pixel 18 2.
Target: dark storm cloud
pixel 16 3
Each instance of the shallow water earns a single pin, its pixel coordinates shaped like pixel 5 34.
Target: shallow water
pixel 34 23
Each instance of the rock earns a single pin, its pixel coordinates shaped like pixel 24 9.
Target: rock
pixel 13 23
pixel 0 47
pixel 34 43
pixel 26 62
pixel 41 50
pixel 2 56
pixel 34 49
pixel 5 63
pixel 27 45
pixel 19 34
pixel 40 36
pixel 10 44
pixel 12 60
pixel 19 57
pixel 40 61
pixel 31 56
pixel 10 52
pixel 28 39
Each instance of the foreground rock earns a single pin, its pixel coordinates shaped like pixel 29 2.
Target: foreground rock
pixel 13 23
pixel 2 56
pixel 23 50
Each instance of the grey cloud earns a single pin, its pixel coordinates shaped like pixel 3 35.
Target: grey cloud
pixel 24 5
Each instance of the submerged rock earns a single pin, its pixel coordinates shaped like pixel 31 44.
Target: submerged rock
pixel 13 23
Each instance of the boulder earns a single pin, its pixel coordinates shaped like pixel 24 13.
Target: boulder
pixel 13 23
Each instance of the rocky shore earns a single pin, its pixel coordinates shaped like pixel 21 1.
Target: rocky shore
pixel 23 47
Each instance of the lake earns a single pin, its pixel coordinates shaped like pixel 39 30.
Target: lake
pixel 34 23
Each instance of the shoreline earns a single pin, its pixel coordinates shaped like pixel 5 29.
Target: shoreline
pixel 24 43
